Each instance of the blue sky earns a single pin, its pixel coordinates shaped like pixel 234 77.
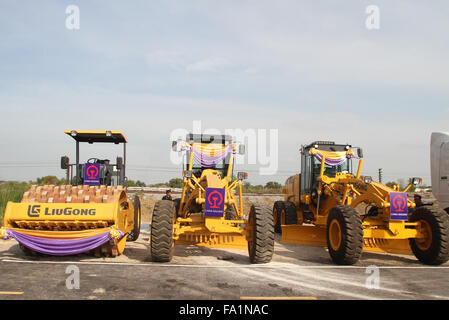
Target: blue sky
pixel 310 69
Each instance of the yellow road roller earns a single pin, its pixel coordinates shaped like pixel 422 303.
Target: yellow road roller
pixel 91 213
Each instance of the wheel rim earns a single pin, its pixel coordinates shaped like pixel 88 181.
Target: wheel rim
pixel 335 235
pixel 425 243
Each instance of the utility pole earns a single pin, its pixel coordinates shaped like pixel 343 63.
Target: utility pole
pixel 380 175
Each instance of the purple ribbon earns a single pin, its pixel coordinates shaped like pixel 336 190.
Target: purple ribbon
pixel 60 247
pixel 208 161
pixel 332 162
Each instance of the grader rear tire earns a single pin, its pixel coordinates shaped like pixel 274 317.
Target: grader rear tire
pixel 434 249
pixel 277 215
pixel 162 244
pixel 261 242
pixel 177 202
pixel 344 235
pixel 133 235
pixel 290 214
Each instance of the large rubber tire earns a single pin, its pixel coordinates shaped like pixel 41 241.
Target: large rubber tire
pixel 447 210
pixel 162 244
pixel 177 203
pixel 133 235
pixel 344 235
pixel 435 250
pixel 290 214
pixel 261 242
pixel 277 214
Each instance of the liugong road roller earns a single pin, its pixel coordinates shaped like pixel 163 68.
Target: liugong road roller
pixel 320 204
pixel 91 213
pixel 208 213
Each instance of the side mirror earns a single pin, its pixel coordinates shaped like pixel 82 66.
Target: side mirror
pixel 188 174
pixel 242 175
pixel 242 149
pixel 177 145
pixel 65 162
pixel 119 164
pixel 360 152
pixel 367 179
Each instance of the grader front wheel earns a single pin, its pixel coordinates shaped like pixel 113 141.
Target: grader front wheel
pixel 434 248
pixel 162 244
pixel 344 235
pixel 261 240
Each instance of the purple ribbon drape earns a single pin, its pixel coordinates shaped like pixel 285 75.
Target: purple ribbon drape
pixel 208 161
pixel 332 162
pixel 60 247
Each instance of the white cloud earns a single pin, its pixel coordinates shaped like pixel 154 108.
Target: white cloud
pixel 173 59
pixel 209 65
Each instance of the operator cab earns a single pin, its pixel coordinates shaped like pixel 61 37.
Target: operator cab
pixel 206 140
pixel 96 171
pixel 311 165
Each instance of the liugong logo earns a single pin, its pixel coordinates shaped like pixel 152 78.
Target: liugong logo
pixel 35 210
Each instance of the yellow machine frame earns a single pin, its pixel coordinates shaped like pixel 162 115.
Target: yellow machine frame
pixel 380 234
pixel 75 212
pixel 194 228
pixel 208 214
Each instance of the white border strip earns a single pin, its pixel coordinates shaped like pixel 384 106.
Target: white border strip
pixel 268 266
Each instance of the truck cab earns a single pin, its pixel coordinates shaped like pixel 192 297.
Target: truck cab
pixel 439 167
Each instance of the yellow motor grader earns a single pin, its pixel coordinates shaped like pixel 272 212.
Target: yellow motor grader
pixel 89 214
pixel 208 213
pixel 319 209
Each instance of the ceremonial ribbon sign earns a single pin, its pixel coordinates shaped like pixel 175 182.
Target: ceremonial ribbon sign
pixel 398 206
pixel 92 174
pixel 215 200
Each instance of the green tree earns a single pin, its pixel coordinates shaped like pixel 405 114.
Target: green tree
pixel 140 183
pixel 50 180
pixel 273 185
pixel 175 183
pixel 131 183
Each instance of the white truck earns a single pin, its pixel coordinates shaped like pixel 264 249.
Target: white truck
pixel 439 168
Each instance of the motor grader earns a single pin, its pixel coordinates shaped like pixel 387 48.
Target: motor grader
pixel 91 213
pixel 328 205
pixel 208 213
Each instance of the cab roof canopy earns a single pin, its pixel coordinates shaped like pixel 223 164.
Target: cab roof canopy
pixel 94 136
pixel 328 146
pixel 207 138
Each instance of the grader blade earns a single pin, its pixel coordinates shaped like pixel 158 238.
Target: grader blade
pixel 305 235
